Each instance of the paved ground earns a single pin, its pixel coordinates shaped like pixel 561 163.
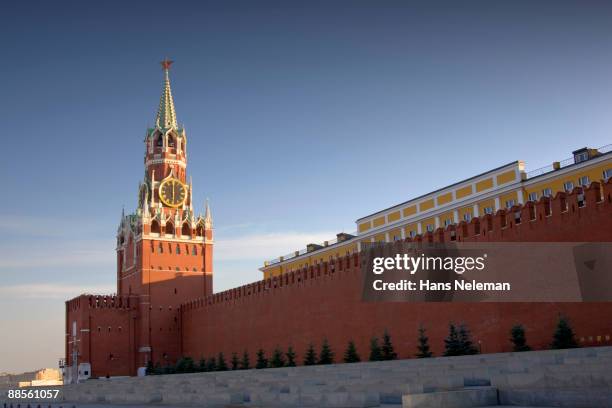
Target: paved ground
pixel 25 405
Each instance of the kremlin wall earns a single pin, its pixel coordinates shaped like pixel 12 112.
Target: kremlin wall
pixel 165 307
pixel 324 301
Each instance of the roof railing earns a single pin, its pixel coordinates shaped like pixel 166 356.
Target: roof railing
pixel 563 163
pixel 303 251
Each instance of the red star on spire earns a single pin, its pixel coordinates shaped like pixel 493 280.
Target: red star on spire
pixel 166 64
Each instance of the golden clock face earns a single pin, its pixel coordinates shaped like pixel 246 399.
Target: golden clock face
pixel 172 192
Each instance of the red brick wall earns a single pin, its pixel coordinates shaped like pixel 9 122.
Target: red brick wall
pixel 110 351
pixel 312 304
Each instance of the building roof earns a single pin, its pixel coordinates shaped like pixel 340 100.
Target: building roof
pixel 166 114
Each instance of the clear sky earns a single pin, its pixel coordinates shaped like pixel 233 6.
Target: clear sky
pixel 302 116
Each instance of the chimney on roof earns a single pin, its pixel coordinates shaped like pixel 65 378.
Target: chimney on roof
pixel 313 247
pixel 343 236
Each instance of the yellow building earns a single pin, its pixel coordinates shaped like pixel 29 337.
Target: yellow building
pixel 485 193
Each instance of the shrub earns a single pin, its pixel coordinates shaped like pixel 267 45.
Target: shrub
pixel 375 351
pixel 221 364
pixel 350 355
pixel 423 344
pixel 245 363
pixel 235 362
pixel 261 362
pixel 185 365
pixel 517 337
pixel 387 348
pixel 564 336
pixel 327 355
pixel 278 358
pixel 290 357
pixel 310 358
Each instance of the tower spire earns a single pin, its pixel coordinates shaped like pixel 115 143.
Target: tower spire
pixel 166 115
pixel 208 216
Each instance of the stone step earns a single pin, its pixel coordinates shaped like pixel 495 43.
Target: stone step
pixel 465 398
pixel 561 397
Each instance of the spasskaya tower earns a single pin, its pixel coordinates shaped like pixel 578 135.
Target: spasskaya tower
pixel 164 250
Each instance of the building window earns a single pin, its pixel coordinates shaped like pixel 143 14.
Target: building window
pixel 580 157
pixel 488 210
pixel 568 186
pixel 194 250
pixel 447 222
pixel 160 248
pixel 607 174
pixel 533 196
pixel 430 228
pixel 509 203
pixel 584 181
pixel 186 230
pixel 178 249
pixel 547 192
pixel 170 141
pixel 467 217
pixel 412 234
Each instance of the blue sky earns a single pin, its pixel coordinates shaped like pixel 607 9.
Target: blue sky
pixel 301 116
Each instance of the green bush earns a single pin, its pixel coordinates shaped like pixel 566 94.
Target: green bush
pixel 350 355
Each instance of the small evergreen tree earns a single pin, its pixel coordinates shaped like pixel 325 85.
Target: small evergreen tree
pixel 290 357
pixel 564 336
pixel 350 355
pixel 375 351
pixel 150 368
pixel 517 337
pixel 465 341
pixel 278 358
pixel 235 362
pixel 452 345
pixel 327 355
pixel 202 365
pixel 221 364
pixel 387 348
pixel 211 364
pixel 310 358
pixel 245 363
pixel 261 362
pixel 169 369
pixel 185 365
pixel 423 345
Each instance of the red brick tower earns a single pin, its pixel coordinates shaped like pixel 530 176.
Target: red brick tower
pixel 164 251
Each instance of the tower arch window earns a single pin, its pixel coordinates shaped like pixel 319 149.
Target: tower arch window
pixel 171 141
pixel 169 228
pixel 159 141
pixel 194 250
pixel 200 230
pixel 186 230
pixel 160 248
pixel 155 228
pixel 178 249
